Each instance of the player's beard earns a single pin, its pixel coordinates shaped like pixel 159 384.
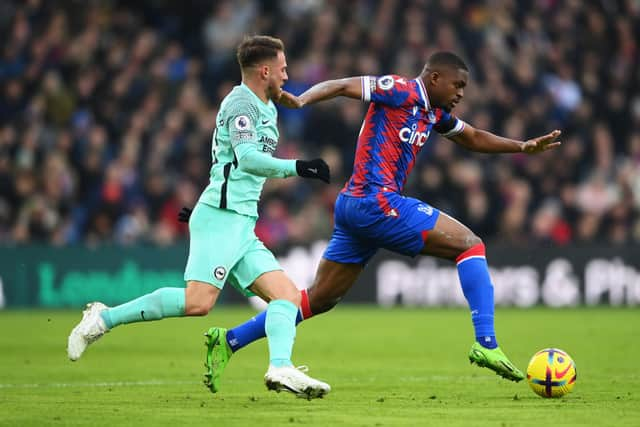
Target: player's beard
pixel 274 91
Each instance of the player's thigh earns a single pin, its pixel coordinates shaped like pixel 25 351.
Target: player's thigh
pixel 218 239
pixel 332 282
pixel 259 273
pixel 449 238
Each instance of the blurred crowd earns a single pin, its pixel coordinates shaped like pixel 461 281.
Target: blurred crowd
pixel 107 110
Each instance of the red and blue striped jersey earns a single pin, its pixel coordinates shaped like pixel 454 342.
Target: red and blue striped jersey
pixel 394 130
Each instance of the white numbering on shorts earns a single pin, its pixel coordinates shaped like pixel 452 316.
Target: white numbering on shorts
pixel 426 209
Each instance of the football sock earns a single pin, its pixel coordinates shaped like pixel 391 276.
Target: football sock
pixel 478 290
pixel 161 303
pixel 280 327
pixel 253 329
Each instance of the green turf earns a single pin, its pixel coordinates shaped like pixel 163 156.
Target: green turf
pixel 386 367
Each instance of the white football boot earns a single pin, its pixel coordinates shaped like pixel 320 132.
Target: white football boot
pixel 294 380
pixel 89 330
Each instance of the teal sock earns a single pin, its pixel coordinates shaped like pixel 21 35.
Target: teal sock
pixel 280 326
pixel 161 303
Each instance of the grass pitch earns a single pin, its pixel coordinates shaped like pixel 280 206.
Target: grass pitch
pixel 387 367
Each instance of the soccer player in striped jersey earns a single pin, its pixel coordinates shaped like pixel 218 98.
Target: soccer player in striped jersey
pixel 371 212
pixel 223 245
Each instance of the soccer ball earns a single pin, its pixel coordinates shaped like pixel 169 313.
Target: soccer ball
pixel 551 373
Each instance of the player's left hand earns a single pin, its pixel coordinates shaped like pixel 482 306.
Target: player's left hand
pixel 542 143
pixel 289 100
pixel 184 214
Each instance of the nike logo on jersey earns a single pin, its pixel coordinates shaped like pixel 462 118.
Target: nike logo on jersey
pixel 142 315
pixel 314 170
pixel 265 122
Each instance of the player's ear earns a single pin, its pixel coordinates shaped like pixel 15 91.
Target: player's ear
pixel 264 71
pixel 434 77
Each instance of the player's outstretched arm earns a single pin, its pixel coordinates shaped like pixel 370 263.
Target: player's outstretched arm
pixel 252 161
pixel 241 125
pixel 351 87
pixel 486 142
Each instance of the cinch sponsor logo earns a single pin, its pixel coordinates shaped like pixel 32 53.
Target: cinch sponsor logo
pixel 413 136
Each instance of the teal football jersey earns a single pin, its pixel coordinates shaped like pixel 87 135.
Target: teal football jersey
pixel 243 118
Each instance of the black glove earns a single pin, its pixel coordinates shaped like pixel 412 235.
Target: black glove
pixel 184 214
pixel 316 169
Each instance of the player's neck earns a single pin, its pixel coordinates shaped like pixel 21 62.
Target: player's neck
pixel 256 87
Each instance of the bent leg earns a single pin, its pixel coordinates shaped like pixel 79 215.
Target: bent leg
pixel 99 319
pixel 280 328
pixel 161 303
pixel 196 300
pixel 280 320
pixel 451 240
pixel 333 280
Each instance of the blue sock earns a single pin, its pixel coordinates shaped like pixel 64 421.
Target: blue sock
pixel 478 290
pixel 250 331
pixel 280 327
pixel 161 303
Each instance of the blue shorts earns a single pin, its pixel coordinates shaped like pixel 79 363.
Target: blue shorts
pixel 383 220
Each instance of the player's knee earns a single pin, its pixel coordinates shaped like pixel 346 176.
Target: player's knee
pixel 200 299
pixel 197 309
pixel 472 240
pixel 292 295
pixel 469 241
pixel 286 293
pixel 322 306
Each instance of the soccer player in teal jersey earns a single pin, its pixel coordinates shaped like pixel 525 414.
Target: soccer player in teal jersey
pixel 371 212
pixel 223 245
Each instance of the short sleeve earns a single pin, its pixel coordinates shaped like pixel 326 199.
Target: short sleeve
pixel 391 90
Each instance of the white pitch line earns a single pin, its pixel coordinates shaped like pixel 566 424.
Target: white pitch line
pixel 99 384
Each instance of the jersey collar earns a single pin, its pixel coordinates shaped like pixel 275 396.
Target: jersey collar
pixel 423 93
pixel 253 94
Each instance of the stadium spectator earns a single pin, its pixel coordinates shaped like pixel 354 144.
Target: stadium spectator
pixel 107 109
